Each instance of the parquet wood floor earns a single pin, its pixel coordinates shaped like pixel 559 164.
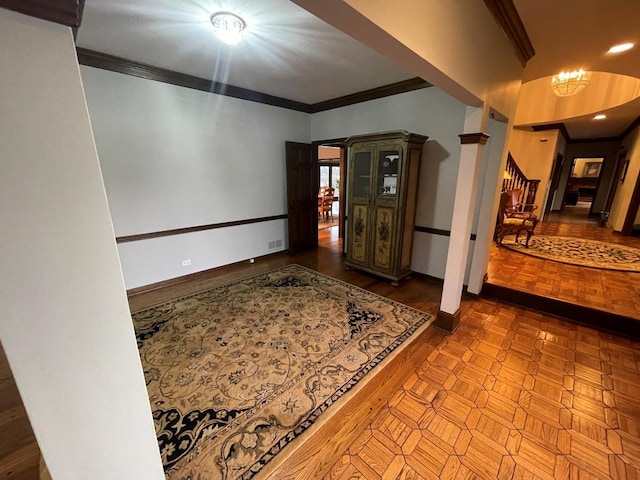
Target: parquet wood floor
pixel 510 394
pixel 617 292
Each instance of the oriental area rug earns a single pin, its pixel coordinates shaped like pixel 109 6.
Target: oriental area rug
pixel 579 251
pixel 239 372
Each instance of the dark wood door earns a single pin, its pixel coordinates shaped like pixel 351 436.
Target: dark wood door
pixel 302 197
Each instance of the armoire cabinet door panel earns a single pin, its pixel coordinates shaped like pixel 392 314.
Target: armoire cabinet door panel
pixel 383 238
pixel 359 231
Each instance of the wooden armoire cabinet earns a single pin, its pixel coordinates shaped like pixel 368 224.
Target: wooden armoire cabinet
pixel 381 199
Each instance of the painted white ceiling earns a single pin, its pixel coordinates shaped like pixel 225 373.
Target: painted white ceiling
pixel 286 52
pixel 290 53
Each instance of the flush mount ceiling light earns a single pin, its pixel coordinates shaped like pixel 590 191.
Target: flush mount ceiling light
pixel 565 84
pixel 228 27
pixel 623 47
pixel 600 116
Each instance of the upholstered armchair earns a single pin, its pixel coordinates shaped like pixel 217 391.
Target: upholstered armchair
pixel 513 219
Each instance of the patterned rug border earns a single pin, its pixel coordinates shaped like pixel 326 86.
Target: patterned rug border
pixel 526 251
pixel 265 464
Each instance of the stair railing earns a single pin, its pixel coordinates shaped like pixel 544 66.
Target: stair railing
pixel 514 178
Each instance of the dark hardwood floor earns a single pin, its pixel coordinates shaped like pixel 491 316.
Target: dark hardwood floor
pixel 19 452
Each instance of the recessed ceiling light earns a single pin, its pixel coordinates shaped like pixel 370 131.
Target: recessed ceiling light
pixel 228 27
pixel 600 116
pixel 623 47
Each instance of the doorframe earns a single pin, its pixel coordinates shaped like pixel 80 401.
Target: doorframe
pixel 632 210
pixel 573 166
pixel 341 143
pixel 613 186
pixel 556 173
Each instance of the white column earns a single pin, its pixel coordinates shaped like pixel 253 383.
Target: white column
pixel 466 188
pixel 489 198
pixel 64 319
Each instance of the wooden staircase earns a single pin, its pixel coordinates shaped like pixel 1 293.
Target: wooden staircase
pixel 516 179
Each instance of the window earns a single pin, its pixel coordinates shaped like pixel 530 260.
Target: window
pixel 330 176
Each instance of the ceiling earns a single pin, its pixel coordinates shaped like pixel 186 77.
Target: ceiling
pixel 572 34
pixel 289 53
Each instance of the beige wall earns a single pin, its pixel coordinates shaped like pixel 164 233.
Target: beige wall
pixel 625 189
pixel 535 152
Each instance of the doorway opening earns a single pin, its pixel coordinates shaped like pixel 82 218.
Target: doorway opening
pixel 581 192
pixel 329 194
pixel 331 176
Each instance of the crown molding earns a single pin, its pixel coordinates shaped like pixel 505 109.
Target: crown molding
pixel 595 140
pixel 506 14
pixel 91 58
pixel 567 137
pixel 95 59
pixel 65 12
pixel 630 128
pixel 366 95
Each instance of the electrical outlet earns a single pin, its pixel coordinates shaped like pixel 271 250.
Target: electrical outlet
pixel 186 263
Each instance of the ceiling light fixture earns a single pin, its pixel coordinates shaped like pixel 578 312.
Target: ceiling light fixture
pixel 565 84
pixel 600 116
pixel 623 47
pixel 228 27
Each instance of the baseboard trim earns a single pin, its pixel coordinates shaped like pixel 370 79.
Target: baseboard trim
pixel 192 276
pixel 599 319
pixel 447 321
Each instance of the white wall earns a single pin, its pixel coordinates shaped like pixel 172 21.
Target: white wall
pixel 493 164
pixel 429 112
pixel 174 157
pixel 65 325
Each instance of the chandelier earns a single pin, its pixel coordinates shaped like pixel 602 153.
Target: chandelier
pixel 228 27
pixel 565 84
